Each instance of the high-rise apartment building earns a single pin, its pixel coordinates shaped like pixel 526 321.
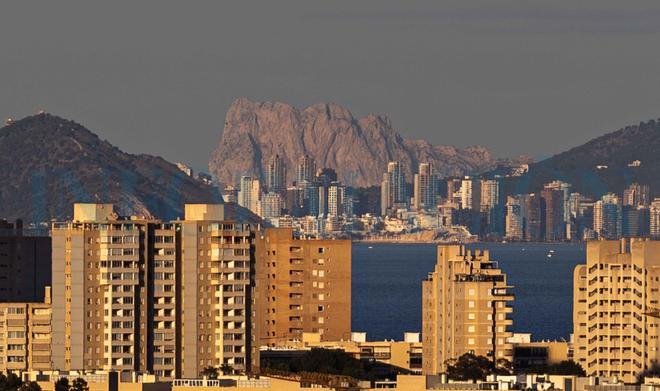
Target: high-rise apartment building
pixel 133 294
pixel 616 321
pixel 608 217
pixel 271 205
pixel 276 175
pixel 465 309
pixel 565 189
pixel 393 188
pixel 553 202
pixel 306 169
pixel 454 190
pixel 303 285
pixel 533 218
pixel 424 187
pixel 471 193
pixel 336 193
pixel 636 195
pixel 249 195
pixel 515 213
pixel 230 194
pixel 216 277
pixel 490 194
pixel 25 336
pixel 654 218
pixel 24 264
pixel 385 194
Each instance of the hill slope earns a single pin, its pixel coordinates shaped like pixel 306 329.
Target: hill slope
pixel 615 150
pixel 358 149
pixel 48 163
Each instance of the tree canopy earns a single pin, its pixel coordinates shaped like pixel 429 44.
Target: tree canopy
pixel 472 367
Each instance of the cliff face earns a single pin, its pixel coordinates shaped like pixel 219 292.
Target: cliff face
pixel 48 163
pixel 358 149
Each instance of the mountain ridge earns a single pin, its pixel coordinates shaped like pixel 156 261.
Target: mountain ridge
pixel 58 162
pixel 614 152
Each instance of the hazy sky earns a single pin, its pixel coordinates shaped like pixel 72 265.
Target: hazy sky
pixel 158 76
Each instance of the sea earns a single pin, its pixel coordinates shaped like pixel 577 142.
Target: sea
pixel 387 286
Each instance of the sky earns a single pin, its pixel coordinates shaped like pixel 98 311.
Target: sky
pixel 157 77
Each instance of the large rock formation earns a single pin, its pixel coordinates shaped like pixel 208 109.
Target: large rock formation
pixel 358 149
pixel 48 163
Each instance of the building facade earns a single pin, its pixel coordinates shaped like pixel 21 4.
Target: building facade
pixel 424 186
pixel 276 175
pixel 616 321
pixel 303 285
pixel 25 336
pixel 465 309
pixel 133 294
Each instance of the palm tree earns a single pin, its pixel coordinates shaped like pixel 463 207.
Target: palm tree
pixel 226 369
pixel 210 373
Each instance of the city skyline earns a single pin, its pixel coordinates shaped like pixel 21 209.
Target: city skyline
pixel 338 196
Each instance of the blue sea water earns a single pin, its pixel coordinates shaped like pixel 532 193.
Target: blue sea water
pixel 387 286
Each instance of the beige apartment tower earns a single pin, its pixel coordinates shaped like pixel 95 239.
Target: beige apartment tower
pixel 25 336
pixel 216 281
pixel 136 294
pixel 465 309
pixel 616 318
pixel 303 286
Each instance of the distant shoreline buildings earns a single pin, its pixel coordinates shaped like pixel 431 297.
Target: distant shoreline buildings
pixel 317 204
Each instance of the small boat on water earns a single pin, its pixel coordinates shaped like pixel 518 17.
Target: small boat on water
pixel 549 255
pixel 370 247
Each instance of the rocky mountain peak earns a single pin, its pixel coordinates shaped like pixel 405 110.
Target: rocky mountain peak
pixel 358 149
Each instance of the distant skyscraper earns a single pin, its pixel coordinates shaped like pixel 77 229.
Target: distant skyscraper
pixel 395 193
pixel 454 190
pixel 636 195
pixel 306 169
pixel 276 175
pixel 310 197
pixel 335 199
pixel 654 219
pixel 515 213
pixel 272 205
pixel 490 194
pixel 230 194
pixel 552 213
pixel 608 217
pixel 249 195
pixel 424 187
pixel 470 193
pixel 385 197
pixel 565 189
pixel 523 217
pixel 532 217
